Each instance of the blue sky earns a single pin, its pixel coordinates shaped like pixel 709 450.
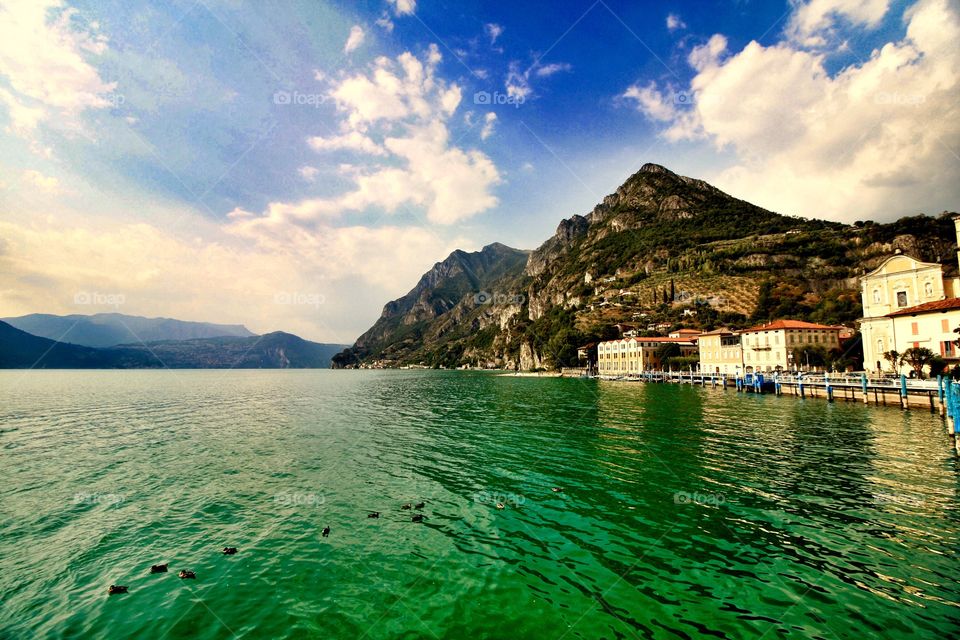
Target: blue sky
pixel 295 165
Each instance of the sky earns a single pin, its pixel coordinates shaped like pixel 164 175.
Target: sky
pixel 295 165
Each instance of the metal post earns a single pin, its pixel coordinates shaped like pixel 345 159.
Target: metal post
pixel 863 385
pixel 903 390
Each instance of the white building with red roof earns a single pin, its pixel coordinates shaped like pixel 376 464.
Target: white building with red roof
pixel 771 346
pixel 908 303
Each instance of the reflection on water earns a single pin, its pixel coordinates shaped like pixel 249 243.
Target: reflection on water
pixel 683 511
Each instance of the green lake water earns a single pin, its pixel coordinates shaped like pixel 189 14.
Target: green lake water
pixel 685 512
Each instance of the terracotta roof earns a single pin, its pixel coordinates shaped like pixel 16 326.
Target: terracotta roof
pixel 789 324
pixel 928 307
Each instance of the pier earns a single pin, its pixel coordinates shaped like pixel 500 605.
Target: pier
pixel 877 390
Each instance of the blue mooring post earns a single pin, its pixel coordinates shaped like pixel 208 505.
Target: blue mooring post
pixel 800 384
pixel 940 394
pixel 758 383
pixel 826 383
pixel 903 391
pixel 863 386
pixel 776 383
pixel 953 399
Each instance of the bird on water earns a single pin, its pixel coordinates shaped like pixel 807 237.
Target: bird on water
pixel 325 532
pixel 185 575
pixel 229 551
pixel 158 568
pixel 115 589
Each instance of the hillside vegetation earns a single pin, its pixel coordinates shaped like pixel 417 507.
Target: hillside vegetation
pixel 663 251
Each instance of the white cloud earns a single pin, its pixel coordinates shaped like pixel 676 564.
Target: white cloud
pixel 651 102
pixel 351 141
pixel 45 59
pixel 385 23
pixel 674 22
pixel 396 114
pixel 550 69
pixel 814 21
pixel 354 40
pixel 308 173
pixel 518 82
pixel 489 121
pixel 872 140
pixel 403 7
pixel 206 274
pixel 493 31
pixel 40 181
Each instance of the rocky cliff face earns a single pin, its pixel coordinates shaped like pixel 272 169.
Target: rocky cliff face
pixel 662 249
pixel 467 292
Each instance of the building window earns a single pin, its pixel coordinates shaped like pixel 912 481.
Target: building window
pixel 915 328
pixel 876 296
pixel 879 346
pixel 901 298
pixel 949 349
pixel 928 289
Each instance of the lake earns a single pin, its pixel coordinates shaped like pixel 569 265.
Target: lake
pixel 684 512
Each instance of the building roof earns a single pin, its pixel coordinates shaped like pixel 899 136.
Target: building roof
pixel 680 341
pixel 928 307
pixel 722 331
pixel 790 324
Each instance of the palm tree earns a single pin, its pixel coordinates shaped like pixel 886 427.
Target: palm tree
pixel 917 358
pixel 894 358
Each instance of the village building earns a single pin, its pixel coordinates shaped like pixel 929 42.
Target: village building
pixel 763 348
pixel 771 347
pixel 634 355
pixel 720 351
pixel 908 303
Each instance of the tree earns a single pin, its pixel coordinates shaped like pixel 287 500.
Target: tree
pixel 673 291
pixel 937 366
pixel 917 358
pixel 666 351
pixel 810 355
pixel 894 358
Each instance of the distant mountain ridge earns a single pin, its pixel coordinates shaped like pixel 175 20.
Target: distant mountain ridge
pixel 277 350
pixel 110 329
pixel 662 250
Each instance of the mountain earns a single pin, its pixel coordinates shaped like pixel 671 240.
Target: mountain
pixel 463 284
pixel 21 350
pixel 664 250
pixel 108 329
pixel 278 350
